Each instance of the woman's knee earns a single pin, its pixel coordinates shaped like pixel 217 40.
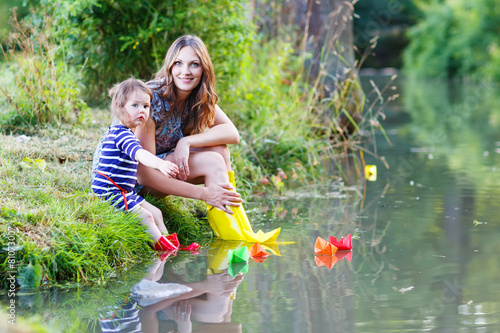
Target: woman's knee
pixel 214 161
pixel 207 165
pixel 223 151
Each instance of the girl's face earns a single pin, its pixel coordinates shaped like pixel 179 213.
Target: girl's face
pixel 186 71
pixel 136 110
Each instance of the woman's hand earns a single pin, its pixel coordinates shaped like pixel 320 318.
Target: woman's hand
pixel 181 157
pixel 221 284
pixel 221 196
pixel 182 315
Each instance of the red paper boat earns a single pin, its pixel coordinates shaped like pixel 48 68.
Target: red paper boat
pixel 343 244
pixel 328 261
pixel 322 247
pixel 193 247
pixel 258 253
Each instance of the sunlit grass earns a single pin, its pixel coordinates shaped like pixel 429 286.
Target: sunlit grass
pixel 63 233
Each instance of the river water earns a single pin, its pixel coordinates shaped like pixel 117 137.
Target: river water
pixel 425 241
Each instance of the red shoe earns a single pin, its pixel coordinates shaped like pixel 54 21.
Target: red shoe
pixel 163 244
pixel 173 239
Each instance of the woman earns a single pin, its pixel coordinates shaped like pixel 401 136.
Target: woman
pixel 183 106
pixel 187 128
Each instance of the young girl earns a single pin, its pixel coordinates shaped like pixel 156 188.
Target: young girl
pixel 118 159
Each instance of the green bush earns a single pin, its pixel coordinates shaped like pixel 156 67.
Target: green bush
pixel 455 39
pixel 42 89
pixel 117 39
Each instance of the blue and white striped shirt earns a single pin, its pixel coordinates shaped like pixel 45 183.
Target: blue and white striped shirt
pixel 117 161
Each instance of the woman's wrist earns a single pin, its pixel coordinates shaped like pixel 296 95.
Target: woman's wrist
pixel 185 142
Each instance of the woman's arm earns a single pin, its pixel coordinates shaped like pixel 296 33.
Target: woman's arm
pixel 223 132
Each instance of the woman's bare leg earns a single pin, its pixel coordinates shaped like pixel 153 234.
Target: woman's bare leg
pixel 207 167
pixel 223 150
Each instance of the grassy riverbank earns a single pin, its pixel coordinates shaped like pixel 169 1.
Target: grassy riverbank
pixel 55 229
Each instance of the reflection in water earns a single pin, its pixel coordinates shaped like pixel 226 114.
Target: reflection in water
pixel 176 305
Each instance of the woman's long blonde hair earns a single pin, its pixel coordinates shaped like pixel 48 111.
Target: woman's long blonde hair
pixel 202 100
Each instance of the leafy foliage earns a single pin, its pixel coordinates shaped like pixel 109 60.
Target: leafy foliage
pixel 455 39
pixel 118 39
pixel 43 90
pixel 292 131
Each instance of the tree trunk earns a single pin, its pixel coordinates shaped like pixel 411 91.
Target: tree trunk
pixel 328 36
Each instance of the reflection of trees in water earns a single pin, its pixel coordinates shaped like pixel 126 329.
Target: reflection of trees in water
pixel 459 122
pixel 438 183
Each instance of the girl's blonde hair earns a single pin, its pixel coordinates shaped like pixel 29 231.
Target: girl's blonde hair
pixel 202 100
pixel 120 94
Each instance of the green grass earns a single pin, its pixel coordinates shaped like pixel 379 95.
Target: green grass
pixel 63 234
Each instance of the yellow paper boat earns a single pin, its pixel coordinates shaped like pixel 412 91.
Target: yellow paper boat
pixel 371 172
pixel 262 237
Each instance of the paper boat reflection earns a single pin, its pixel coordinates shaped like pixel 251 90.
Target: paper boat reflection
pixel 237 268
pixel 330 261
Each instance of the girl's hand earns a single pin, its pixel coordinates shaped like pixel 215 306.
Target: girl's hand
pixel 169 169
pixel 181 157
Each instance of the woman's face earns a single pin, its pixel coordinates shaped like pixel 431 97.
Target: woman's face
pixel 186 71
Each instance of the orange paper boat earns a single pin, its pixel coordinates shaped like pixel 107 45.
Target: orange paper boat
pixel 342 244
pixel 328 261
pixel 258 251
pixel 322 247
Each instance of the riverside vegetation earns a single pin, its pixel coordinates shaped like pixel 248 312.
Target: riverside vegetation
pixel 290 136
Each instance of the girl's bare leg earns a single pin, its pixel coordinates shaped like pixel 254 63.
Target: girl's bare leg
pixel 157 215
pixel 149 218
